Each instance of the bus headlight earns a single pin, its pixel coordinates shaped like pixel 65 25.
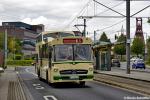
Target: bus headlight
pixel 90 69
pixel 55 70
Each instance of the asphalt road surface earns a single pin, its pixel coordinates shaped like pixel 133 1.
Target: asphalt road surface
pixel 40 90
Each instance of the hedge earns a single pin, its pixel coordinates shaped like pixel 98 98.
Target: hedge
pixel 20 62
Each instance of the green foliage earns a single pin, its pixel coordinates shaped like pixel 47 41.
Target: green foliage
pixel 121 48
pixel 19 62
pixel 14 45
pixel 137 46
pixel 148 48
pixel 104 38
pixel 18 57
pixel 148 20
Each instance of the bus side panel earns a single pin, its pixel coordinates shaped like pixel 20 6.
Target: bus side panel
pixel 44 68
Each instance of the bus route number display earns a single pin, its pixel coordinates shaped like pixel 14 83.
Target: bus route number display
pixel 73 40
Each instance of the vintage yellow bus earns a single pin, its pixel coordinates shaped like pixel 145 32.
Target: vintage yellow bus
pixel 65 59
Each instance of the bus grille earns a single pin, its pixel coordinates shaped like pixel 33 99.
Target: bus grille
pixel 74 72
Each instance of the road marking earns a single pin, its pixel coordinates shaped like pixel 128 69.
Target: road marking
pixel 27 70
pixel 50 96
pixel 38 86
pixel 17 72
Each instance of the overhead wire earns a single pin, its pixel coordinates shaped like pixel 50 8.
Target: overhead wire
pixel 121 20
pixel 95 9
pixel 81 12
pixel 111 7
pixel 77 14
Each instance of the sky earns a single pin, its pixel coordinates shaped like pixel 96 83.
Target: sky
pixel 62 14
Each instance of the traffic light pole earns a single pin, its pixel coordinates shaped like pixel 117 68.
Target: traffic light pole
pixel 128 41
pixel 84 33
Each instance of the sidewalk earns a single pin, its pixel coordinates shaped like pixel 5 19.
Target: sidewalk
pixel 10 88
pixel 143 76
pixel 147 66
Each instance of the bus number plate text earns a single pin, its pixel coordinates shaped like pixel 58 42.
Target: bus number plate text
pixel 74 77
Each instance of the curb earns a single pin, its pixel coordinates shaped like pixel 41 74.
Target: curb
pixel 123 86
pixel 122 76
pixel 24 88
pixel 15 90
pixel 138 70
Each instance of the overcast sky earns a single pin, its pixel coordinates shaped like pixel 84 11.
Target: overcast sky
pixel 58 14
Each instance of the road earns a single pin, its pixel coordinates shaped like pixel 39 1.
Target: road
pixel 40 90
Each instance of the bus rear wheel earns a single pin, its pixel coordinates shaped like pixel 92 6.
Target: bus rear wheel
pixel 82 83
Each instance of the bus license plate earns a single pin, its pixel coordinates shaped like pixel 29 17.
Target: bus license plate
pixel 74 77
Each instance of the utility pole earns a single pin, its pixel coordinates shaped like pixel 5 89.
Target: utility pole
pixel 128 35
pixel 84 32
pixel 5 48
pixel 84 24
pixel 94 36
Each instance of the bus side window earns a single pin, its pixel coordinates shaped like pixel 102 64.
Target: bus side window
pixel 36 58
pixel 50 56
pixel 40 55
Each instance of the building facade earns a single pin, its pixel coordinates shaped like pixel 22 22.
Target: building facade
pixel 24 32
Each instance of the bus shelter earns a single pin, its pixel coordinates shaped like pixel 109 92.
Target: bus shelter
pixel 102 56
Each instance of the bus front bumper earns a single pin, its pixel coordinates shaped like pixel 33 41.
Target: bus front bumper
pixel 73 78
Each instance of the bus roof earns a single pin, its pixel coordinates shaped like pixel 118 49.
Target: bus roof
pixel 49 35
pixel 56 34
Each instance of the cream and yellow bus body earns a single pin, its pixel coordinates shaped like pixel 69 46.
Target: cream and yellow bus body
pixel 85 66
pixel 68 70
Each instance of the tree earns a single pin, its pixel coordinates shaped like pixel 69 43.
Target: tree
pixel 148 20
pixel 104 38
pixel 137 46
pixel 14 45
pixel 18 46
pixel 121 48
pixel 148 48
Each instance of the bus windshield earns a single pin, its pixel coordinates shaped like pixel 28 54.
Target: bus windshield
pixel 73 52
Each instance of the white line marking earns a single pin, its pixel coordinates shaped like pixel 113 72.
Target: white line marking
pixel 50 96
pixel 27 70
pixel 39 87
pixel 36 84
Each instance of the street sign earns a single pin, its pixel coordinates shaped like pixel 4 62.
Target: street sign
pixel 128 40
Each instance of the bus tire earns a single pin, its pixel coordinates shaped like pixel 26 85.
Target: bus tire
pixel 82 83
pixel 47 77
pixel 39 75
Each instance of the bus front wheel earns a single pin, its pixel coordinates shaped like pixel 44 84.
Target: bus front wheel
pixel 47 77
pixel 39 75
pixel 82 83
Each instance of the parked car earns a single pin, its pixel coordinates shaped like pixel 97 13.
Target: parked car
pixel 139 63
pixel 115 62
pixel 133 59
